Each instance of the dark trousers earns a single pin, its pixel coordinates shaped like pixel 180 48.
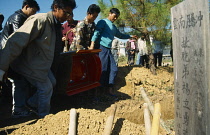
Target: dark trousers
pixel 144 60
pixel 158 57
pixel 109 67
pixel 131 57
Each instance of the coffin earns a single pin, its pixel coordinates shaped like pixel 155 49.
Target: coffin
pixel 79 71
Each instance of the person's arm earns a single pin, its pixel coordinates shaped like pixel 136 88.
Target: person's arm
pixel 80 34
pixel 99 28
pixel 64 31
pixel 123 36
pixel 17 42
pixel 17 22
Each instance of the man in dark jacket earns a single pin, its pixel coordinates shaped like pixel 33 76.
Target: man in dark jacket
pixel 16 20
pixel 19 84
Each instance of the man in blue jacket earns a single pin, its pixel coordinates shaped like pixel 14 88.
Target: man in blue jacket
pixel 105 32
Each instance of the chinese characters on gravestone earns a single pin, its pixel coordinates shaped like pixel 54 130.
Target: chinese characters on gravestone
pixel 190 31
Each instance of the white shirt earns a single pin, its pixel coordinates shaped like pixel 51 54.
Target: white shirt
pixel 142 47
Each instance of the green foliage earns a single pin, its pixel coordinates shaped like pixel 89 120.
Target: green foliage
pixel 149 17
pixel 122 60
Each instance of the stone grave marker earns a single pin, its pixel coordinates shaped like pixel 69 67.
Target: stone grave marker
pixel 190 35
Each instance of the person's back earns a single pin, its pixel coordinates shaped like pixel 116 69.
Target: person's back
pixel 142 46
pixel 158 52
pixel 16 20
pixel 158 47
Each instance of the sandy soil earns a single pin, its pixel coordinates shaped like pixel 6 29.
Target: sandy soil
pixel 92 113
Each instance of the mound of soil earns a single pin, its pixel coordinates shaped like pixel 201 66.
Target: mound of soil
pixel 92 113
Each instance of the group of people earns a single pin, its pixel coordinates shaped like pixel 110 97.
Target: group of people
pixel 140 48
pixel 30 47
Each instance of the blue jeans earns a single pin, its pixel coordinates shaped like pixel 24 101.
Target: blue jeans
pixel 138 59
pixel 115 54
pixel 109 67
pixel 41 99
pixel 20 93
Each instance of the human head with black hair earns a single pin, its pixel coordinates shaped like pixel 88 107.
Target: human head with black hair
pixel 93 8
pixel 115 11
pixel 63 9
pixel 61 4
pixel 114 14
pixel 30 7
pixel 92 12
pixel 1 20
pixel 31 3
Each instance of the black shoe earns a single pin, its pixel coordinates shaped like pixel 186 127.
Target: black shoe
pixel 32 109
pixel 21 114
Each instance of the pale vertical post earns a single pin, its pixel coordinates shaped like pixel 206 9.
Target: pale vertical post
pixel 72 122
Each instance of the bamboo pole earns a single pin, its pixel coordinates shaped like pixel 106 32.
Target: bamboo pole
pixel 147 120
pixel 72 121
pixel 109 121
pixel 151 108
pixel 156 120
pixel 18 125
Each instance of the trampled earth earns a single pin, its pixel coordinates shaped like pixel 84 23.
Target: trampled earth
pixel 92 112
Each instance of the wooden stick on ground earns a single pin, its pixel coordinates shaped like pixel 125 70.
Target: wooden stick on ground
pixel 156 120
pixel 109 121
pixel 18 125
pixel 72 125
pixel 147 120
pixel 151 108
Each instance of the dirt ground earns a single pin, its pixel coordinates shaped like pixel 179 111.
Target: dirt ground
pixel 92 112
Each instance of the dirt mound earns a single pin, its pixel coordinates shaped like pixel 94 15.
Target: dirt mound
pixel 90 121
pixel 129 114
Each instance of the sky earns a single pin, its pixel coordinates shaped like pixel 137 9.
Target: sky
pixel 8 7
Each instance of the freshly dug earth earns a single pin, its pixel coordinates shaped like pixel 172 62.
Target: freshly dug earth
pixel 92 112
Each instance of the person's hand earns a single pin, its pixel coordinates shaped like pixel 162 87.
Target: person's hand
pixel 134 36
pixel 63 38
pixel 91 47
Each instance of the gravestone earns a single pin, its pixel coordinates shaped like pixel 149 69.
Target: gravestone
pixel 190 35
